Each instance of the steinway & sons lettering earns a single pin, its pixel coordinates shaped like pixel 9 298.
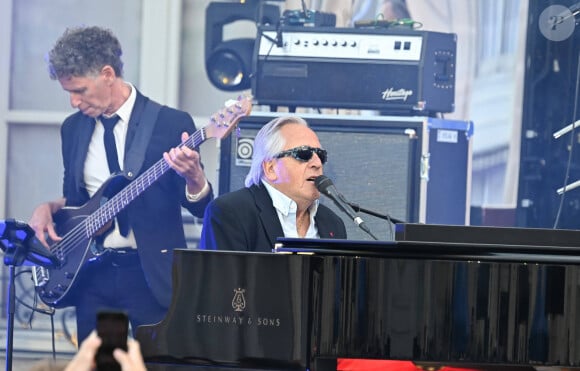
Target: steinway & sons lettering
pixel 232 320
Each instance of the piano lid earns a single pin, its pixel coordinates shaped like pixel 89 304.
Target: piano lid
pixel 487 235
pixel 435 250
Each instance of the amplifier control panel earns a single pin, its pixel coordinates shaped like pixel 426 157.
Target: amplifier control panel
pixel 341 46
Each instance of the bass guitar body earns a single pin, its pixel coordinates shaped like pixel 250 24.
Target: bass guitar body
pixel 55 286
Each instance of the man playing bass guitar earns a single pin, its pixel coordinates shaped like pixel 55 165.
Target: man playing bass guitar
pixel 127 265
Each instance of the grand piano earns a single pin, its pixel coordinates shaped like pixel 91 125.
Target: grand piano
pixel 483 298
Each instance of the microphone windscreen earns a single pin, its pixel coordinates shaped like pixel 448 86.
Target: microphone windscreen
pixel 322 183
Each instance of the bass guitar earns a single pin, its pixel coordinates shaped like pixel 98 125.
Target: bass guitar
pixel 80 225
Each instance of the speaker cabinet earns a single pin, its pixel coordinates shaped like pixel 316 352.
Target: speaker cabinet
pixel 414 169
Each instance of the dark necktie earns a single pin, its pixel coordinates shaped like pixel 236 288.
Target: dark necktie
pixel 113 161
pixel 110 146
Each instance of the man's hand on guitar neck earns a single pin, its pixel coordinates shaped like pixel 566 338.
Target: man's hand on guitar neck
pixel 42 223
pixel 186 163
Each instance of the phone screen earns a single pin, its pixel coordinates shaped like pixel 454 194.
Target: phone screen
pixel 112 328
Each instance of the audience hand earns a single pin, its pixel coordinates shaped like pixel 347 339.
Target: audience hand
pixel 84 360
pixel 132 360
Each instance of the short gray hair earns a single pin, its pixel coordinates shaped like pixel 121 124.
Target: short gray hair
pixel 268 142
pixel 84 51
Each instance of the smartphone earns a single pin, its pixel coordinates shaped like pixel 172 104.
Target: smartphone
pixel 113 329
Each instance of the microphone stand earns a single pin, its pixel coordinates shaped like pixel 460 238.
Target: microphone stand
pixel 19 244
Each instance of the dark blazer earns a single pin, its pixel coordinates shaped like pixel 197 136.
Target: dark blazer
pixel 246 220
pixel 154 216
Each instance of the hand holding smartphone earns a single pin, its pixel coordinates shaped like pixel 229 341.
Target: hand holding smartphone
pixel 113 329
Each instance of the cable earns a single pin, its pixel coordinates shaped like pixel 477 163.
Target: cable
pixel 380 22
pixel 279 42
pixel 69 336
pixel 572 142
pixel 35 309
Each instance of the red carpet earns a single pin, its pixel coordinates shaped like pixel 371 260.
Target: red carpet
pixel 348 364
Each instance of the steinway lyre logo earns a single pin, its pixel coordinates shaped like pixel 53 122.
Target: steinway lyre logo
pixel 239 300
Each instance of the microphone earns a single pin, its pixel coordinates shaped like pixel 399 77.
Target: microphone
pixel 279 39
pixel 566 129
pixel 327 188
pixel 18 241
pixel 568 187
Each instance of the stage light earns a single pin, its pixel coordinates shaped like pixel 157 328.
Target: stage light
pixel 228 63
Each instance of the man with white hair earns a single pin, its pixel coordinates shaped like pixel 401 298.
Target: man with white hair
pixel 280 198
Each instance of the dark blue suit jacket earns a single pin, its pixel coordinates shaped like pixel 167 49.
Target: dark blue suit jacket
pixel 246 220
pixel 154 216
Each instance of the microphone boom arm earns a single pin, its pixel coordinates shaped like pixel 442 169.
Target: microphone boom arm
pixel 386 217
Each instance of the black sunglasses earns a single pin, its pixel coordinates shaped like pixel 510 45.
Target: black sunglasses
pixel 304 153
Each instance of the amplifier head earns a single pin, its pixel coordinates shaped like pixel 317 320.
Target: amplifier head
pixel 392 71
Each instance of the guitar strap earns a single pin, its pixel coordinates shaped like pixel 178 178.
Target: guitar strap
pixel 136 155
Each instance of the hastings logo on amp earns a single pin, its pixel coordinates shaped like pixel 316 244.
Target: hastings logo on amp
pixel 399 94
